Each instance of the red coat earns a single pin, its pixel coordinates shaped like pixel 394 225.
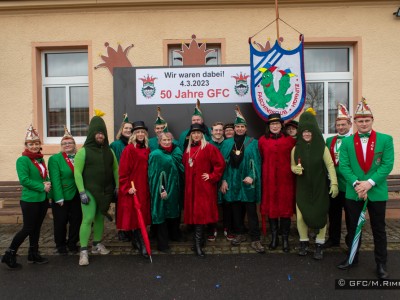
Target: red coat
pixel 278 181
pixel 200 206
pixel 133 167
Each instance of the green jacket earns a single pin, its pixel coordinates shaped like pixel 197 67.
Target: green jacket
pixel 166 170
pixel 340 177
pixel 31 181
pixel 62 179
pixel 118 146
pixel 381 167
pixel 249 167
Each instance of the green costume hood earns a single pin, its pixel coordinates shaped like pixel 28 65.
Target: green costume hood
pixel 96 125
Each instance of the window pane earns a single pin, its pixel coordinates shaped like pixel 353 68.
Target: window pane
pixel 326 60
pixel 79 110
pixel 66 64
pixel 315 99
pixel 56 114
pixel 338 92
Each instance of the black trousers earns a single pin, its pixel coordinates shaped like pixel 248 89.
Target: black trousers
pixel 33 214
pixel 252 219
pixel 169 230
pixel 336 206
pixel 376 211
pixel 68 214
pixel 227 215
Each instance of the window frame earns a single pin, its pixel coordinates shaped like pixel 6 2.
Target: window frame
pixel 61 81
pixel 50 147
pixel 352 77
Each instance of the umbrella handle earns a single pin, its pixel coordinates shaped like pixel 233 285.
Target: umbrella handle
pixel 132 185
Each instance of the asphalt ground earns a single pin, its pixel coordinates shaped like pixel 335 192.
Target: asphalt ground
pixel 241 276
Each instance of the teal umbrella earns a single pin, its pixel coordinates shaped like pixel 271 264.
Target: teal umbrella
pixel 356 240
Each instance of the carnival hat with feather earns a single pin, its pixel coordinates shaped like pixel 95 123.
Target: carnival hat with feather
pixel 67 135
pixel 160 120
pixel 32 135
pixel 197 110
pixel 363 110
pixel 343 113
pixel 240 120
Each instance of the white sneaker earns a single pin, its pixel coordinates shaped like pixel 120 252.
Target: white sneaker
pixel 100 249
pixel 84 258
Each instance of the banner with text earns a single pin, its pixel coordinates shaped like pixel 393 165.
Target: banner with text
pixel 228 84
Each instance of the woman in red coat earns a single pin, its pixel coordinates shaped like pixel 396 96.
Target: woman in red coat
pixel 133 166
pixel 277 180
pixel 204 166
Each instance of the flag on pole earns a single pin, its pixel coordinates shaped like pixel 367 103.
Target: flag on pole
pixel 357 235
pixel 278 81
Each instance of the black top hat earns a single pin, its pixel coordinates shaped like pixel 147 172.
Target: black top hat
pixel 138 125
pixel 196 127
pixel 292 123
pixel 276 117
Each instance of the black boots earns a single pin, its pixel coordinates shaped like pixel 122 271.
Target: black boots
pixel 10 259
pixel 273 223
pixel 138 243
pixel 344 265
pixel 303 250
pixel 285 228
pixel 381 271
pixel 198 240
pixel 34 256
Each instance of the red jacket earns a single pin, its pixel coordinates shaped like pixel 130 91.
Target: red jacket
pixel 200 206
pixel 133 166
pixel 278 181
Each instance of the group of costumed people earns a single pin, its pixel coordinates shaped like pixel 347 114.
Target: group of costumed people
pixel 290 169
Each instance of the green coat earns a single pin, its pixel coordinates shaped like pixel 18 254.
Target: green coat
pixel 165 169
pixel 249 167
pixel 117 146
pixel 62 179
pixel 31 181
pixel 381 167
pixel 339 175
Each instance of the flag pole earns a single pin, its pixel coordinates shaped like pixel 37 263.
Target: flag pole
pixel 277 21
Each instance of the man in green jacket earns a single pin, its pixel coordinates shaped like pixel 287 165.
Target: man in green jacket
pixel 366 159
pixel 343 127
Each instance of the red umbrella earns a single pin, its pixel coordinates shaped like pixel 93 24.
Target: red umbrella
pixel 142 226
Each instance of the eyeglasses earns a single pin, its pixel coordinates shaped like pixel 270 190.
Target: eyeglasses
pixel 67 143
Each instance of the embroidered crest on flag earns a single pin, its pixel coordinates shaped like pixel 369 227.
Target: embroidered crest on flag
pixel 278 81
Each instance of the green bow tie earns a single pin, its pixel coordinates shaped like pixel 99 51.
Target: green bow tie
pixel 364 135
pixel 71 156
pixel 340 137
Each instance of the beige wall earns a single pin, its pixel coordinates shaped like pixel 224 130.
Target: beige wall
pixel 374 25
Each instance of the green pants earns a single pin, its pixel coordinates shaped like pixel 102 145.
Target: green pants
pixel 91 215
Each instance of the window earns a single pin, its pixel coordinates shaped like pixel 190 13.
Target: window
pixel 65 94
pixel 329 81
pixel 212 58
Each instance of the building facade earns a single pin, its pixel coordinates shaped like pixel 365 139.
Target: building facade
pixel 51 48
